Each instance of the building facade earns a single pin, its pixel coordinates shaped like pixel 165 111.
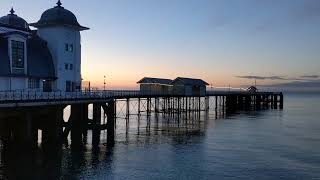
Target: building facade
pixel 158 85
pixel 45 59
pixel 179 86
pixel 189 86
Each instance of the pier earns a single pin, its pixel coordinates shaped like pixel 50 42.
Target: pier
pixel 23 114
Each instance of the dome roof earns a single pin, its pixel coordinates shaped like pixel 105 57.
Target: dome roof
pixel 14 21
pixel 58 16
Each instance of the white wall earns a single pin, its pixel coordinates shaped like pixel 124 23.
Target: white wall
pixel 4 84
pixel 57 37
pixel 13 83
pixel 19 83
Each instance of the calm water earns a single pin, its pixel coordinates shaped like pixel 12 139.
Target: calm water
pixel 271 144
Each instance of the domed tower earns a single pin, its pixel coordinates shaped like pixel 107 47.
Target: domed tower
pixel 60 28
pixel 14 21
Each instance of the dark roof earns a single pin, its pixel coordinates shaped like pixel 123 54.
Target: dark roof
pixel 12 20
pixel 189 81
pixel 40 63
pixel 6 30
pixel 58 16
pixel 252 88
pixel 148 80
pixel 39 59
pixel 4 57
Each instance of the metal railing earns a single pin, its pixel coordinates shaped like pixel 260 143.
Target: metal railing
pixel 17 96
pixel 61 95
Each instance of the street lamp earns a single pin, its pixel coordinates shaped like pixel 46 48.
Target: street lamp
pixel 104 83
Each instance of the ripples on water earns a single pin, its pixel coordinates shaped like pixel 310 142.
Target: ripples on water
pixel 271 144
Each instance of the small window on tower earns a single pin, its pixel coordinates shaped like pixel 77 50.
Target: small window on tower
pixel 69 47
pixel 66 66
pixel 71 66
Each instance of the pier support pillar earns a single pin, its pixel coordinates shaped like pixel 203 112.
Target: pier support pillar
pixel 96 124
pixel 156 105
pixel 52 131
pixel 139 106
pixel 281 101
pixel 110 123
pixel 76 125
pixel 258 102
pixel 248 102
pixel 127 109
pixel 22 130
pixel 275 101
pixel 207 103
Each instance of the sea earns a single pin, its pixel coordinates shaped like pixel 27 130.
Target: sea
pixel 248 145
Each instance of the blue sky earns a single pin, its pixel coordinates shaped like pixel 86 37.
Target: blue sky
pixel 221 41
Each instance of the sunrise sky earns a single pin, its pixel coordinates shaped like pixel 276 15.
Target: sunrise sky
pixel 221 41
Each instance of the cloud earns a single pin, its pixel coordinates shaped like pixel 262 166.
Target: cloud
pixel 263 77
pixel 298 84
pixel 309 10
pixel 310 76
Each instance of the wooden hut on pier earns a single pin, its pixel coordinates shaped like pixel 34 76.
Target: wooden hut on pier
pixel 189 86
pixel 159 85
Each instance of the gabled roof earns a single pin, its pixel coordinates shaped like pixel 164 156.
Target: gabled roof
pixel 252 88
pixel 149 80
pixel 190 81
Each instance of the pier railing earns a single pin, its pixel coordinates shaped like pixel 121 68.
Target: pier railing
pixel 103 94
pixel 58 95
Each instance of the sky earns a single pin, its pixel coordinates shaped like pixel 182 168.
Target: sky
pixel 224 42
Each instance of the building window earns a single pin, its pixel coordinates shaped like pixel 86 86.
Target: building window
pixel 68 86
pixel 34 83
pixel 47 85
pixel 17 52
pixel 71 66
pixel 69 47
pixel 66 66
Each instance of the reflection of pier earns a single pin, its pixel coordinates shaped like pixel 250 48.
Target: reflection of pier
pixel 22 114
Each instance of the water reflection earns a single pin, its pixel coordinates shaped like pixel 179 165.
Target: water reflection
pixel 65 163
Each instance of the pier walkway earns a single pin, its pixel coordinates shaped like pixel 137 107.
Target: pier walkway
pixel 23 113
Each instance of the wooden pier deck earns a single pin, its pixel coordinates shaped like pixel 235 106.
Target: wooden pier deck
pixel 22 114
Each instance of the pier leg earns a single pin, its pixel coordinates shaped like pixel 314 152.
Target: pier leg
pixel 22 130
pixel 85 122
pixel 76 126
pixel 139 108
pixel 148 107
pixel 128 109
pixel 275 101
pixel 247 102
pixel 156 105
pixel 110 123
pixel 281 101
pixel 207 103
pixel 96 124
pixel 258 102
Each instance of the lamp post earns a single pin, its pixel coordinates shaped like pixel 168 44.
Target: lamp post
pixel 104 83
